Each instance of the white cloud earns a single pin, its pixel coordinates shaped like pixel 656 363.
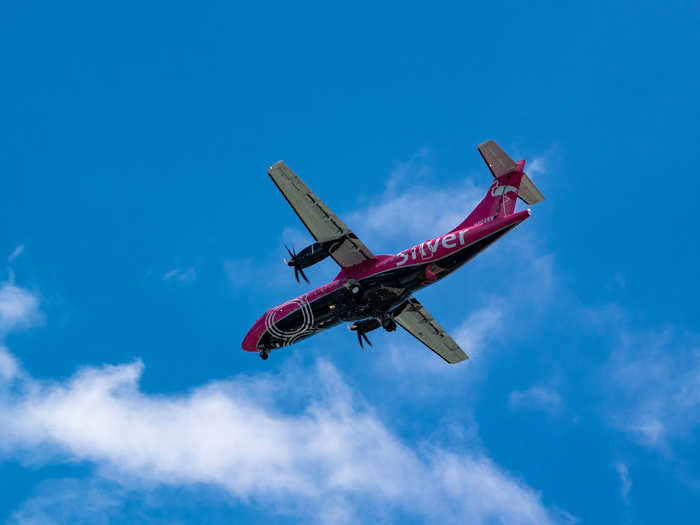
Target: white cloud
pixel 270 269
pixel 16 253
pixel 416 167
pixel 250 273
pixel 536 398
pixel 411 208
pixel 9 368
pixel 181 275
pixel 18 308
pixel 515 288
pixel 416 214
pixel 537 166
pixel 473 334
pixel 71 501
pixel 274 273
pixel 540 165
pixel 331 460
pixel 625 482
pixel 654 383
pixel 241 272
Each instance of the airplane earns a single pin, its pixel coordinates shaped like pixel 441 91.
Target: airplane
pixel 373 291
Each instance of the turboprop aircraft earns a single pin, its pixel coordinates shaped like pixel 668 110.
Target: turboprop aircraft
pixel 373 291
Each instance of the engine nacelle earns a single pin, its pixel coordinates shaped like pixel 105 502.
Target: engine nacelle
pixel 362 327
pixel 314 253
pixel 365 326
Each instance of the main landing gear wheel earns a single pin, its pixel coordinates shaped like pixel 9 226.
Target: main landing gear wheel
pixel 353 286
pixel 264 355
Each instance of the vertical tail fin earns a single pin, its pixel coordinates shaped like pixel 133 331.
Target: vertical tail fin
pixel 511 182
pixel 499 200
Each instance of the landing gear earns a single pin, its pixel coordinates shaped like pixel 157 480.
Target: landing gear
pixel 264 355
pixel 353 286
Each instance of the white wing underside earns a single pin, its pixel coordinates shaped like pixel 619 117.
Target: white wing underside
pixel 321 222
pixel 423 326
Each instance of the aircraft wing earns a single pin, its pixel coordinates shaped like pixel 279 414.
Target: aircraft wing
pixel 323 224
pixel 421 325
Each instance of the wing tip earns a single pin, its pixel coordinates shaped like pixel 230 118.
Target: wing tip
pixel 278 164
pixel 485 143
pixel 459 359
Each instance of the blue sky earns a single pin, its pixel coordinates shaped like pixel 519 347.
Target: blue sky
pixel 142 237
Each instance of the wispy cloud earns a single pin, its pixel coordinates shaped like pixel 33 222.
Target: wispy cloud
pixel 9 367
pixel 515 290
pixel 536 398
pixel 412 207
pixel 415 214
pixel 653 379
pixel 478 328
pixel 16 253
pixel 59 501
pixel 241 272
pixel 415 168
pixel 18 308
pixel 541 164
pixel 537 166
pixel 625 482
pixel 270 270
pixel 185 275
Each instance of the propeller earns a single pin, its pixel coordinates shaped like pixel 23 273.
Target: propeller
pixel 362 327
pixel 292 261
pixel 361 336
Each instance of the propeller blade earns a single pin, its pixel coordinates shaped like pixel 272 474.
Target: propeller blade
pixel 361 334
pixel 292 261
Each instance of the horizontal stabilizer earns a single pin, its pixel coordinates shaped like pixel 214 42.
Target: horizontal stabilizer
pixel 501 164
pixel 495 158
pixel 529 192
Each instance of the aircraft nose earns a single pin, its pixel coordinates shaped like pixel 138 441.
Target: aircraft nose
pixel 250 341
pixel 248 344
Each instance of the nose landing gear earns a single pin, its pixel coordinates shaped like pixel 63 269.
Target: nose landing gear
pixel 264 355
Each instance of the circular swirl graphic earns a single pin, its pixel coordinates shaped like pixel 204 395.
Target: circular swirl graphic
pixel 306 325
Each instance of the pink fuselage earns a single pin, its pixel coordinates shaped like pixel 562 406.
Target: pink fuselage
pixel 374 287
